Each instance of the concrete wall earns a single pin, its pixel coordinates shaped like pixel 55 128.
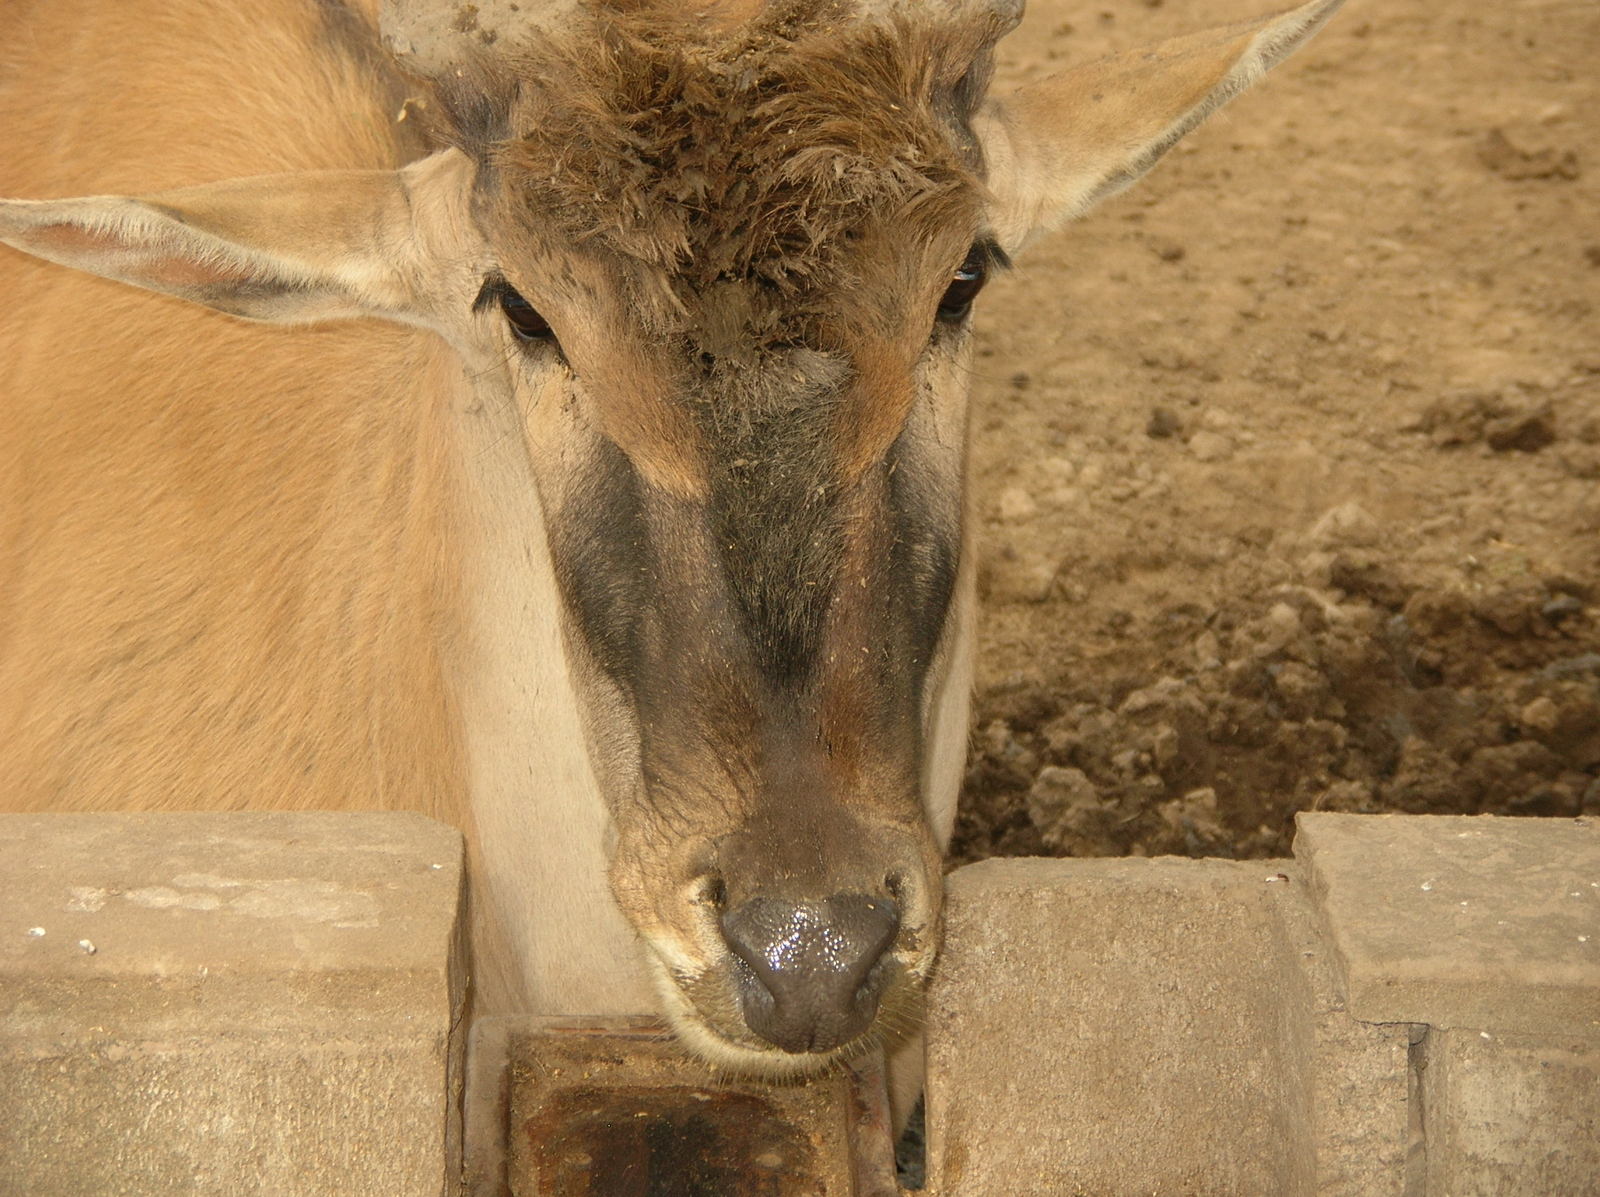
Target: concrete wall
pixel 1410 1007
pixel 229 1004
pixel 236 1004
pixel 1152 1026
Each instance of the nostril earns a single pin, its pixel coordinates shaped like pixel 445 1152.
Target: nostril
pixel 875 936
pixel 879 924
pixel 895 886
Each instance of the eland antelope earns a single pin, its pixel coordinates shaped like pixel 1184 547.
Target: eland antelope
pixel 587 469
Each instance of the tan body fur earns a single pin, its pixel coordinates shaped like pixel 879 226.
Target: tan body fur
pixel 189 511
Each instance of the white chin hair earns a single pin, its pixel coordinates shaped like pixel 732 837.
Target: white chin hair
pixel 773 1064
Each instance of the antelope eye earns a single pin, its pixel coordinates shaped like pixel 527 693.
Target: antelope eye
pixel 964 287
pixel 525 322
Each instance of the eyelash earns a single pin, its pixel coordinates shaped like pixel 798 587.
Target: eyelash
pixel 969 279
pixel 526 324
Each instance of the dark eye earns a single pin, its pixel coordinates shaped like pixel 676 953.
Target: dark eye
pixel 964 287
pixel 524 320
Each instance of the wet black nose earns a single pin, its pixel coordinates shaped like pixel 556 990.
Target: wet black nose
pixel 810 973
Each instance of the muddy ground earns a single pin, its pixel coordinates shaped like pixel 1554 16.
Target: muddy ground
pixel 1288 460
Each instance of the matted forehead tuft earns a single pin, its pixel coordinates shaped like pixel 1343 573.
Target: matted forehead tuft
pixel 749 154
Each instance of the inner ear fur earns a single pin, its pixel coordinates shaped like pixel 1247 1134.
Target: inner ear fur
pixel 1057 147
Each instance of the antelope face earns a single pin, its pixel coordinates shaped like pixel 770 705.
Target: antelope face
pixel 732 282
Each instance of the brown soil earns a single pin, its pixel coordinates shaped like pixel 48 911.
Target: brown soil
pixel 1288 461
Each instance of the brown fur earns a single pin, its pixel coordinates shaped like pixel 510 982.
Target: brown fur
pixel 755 155
pixel 715 182
pixel 749 212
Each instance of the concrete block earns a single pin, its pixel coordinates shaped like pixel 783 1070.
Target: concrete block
pixel 615 1106
pixel 1505 1115
pixel 1350 1078
pixel 1461 921
pixel 1150 1027
pixel 229 1004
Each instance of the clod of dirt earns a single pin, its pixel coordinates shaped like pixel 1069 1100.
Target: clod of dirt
pixel 1516 611
pixel 1540 715
pixel 1565 718
pixel 1163 423
pixel 1368 577
pixel 1194 817
pixel 1528 432
pixel 1167 251
pixel 1005 755
pixel 1497 153
pixel 1346 525
pixel 1066 808
pixel 1456 419
pixel 1010 576
pixel 1561 607
pixel 1057 790
pixel 1492 417
pixel 1210 446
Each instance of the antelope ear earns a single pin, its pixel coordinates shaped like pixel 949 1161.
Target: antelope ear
pixel 1057 147
pixel 292 248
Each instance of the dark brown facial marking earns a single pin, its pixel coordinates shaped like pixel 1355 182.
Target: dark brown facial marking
pixel 603 562
pixel 737 192
pixel 774 505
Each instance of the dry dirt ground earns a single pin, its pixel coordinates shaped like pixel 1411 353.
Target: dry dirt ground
pixel 1288 460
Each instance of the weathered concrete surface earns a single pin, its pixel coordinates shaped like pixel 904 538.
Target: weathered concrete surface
pixel 1349 1078
pixel 220 1004
pixel 1461 921
pixel 616 1108
pixel 1147 1027
pixel 1511 1115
